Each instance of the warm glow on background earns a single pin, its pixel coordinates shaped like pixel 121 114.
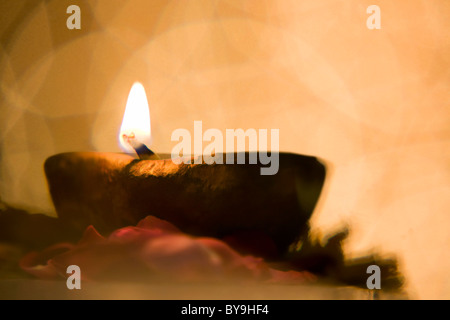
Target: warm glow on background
pixel 374 104
pixel 136 120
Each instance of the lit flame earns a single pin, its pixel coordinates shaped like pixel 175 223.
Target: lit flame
pixel 136 119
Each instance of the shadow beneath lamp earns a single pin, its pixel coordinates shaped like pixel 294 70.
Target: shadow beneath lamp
pixel 328 260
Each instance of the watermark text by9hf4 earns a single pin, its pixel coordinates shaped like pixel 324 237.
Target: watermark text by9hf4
pixel 230 309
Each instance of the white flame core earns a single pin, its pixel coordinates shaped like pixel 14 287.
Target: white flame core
pixel 136 119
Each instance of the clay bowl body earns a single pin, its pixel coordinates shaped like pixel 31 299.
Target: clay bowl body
pixel 111 190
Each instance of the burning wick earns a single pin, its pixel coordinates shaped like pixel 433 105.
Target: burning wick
pixel 141 149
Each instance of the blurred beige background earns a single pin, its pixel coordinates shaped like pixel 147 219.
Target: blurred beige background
pixel 373 103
